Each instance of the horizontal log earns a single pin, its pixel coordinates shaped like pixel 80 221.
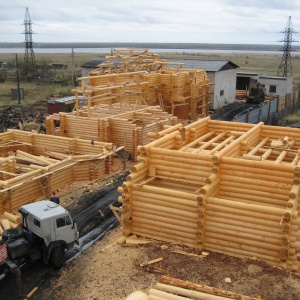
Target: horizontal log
pixel 233 251
pixel 167 192
pixel 245 221
pixel 138 221
pixel 242 163
pixel 169 210
pixel 170 220
pixel 159 205
pixel 203 288
pixel 257 182
pixel 246 206
pixel 175 201
pixel 162 236
pixel 144 209
pixel 179 154
pixel 148 231
pixel 244 238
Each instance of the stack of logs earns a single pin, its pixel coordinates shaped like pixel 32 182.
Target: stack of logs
pixel 219 186
pixel 174 289
pixel 7 221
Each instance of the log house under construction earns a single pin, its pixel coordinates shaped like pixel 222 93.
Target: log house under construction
pixel 221 186
pixel 133 93
pixel 32 165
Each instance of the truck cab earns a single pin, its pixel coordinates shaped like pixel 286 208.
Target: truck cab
pixel 47 232
pixel 49 221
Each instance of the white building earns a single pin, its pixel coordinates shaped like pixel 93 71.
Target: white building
pixel 278 86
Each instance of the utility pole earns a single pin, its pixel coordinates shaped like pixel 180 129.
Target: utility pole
pixel 285 67
pixel 29 58
pixel 18 80
pixel 74 75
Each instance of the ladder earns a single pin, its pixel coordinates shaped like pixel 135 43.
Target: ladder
pixel 161 102
pixel 44 184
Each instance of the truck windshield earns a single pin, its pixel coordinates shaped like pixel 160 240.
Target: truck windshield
pixel 63 221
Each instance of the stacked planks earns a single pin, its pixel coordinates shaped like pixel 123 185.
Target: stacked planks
pixel 220 186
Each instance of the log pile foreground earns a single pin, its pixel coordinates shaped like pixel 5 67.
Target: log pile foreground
pixel 175 289
pixel 220 186
pixel 32 165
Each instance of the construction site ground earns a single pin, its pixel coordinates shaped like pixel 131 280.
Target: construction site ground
pixel 108 270
pixel 111 271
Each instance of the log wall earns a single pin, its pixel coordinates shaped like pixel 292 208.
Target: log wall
pixel 222 186
pixel 49 163
pixel 128 129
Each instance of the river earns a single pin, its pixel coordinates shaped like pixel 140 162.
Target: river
pixel 152 50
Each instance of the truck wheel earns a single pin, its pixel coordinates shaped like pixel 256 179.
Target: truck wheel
pixel 12 233
pixel 57 258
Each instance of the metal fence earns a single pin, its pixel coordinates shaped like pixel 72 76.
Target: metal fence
pixel 271 112
pixel 264 113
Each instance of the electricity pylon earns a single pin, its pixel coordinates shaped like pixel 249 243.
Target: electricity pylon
pixel 29 58
pixel 285 67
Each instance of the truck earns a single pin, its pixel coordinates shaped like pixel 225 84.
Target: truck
pixel 47 231
pixel 256 94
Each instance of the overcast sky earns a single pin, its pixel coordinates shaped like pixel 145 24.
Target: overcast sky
pixel 166 21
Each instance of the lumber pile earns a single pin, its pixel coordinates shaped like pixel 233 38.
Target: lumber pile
pixel 171 288
pixel 221 186
pixel 241 94
pixel 9 220
pixel 174 289
pixel 39 163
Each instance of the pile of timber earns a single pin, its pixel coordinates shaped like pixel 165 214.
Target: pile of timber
pixel 109 125
pixel 241 94
pixel 9 220
pixel 32 165
pixel 174 289
pixel 135 76
pixel 222 186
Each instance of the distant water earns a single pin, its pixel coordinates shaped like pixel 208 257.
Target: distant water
pixel 152 50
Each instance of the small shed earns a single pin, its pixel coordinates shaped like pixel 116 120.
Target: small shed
pixel 65 104
pixel 90 66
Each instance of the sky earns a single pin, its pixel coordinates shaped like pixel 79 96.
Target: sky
pixel 152 21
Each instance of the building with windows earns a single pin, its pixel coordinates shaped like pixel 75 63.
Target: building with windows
pixel 277 86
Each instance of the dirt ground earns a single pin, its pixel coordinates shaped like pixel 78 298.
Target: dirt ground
pixel 111 271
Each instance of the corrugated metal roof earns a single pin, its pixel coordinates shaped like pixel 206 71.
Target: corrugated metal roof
pixel 92 64
pixel 206 65
pixel 65 99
